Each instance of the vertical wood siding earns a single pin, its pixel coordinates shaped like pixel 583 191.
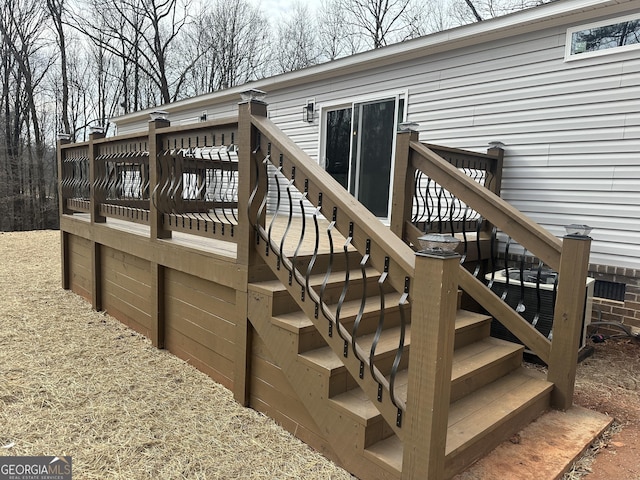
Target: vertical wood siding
pixel 126 289
pixel 80 266
pixel 200 325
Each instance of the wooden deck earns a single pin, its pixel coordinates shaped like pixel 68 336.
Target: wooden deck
pixel 364 354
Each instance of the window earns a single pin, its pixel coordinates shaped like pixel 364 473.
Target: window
pixel 603 37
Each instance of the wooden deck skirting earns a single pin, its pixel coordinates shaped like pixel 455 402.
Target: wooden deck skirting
pixel 191 282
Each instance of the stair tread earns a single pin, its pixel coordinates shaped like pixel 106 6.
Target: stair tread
pixel 466 361
pixel 479 412
pixel 469 360
pixel 325 357
pixel 468 319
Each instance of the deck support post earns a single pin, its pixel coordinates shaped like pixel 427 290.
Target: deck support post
pixel 433 310
pixel 247 256
pixel 403 183
pixel 567 319
pixel 62 208
pixel 96 198
pixel 157 307
pixel 155 147
pixel 96 276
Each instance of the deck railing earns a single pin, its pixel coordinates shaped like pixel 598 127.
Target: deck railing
pixel 191 186
pixel 236 179
pixel 422 170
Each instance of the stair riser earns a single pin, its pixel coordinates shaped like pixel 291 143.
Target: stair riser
pixel 484 375
pixel 311 339
pixel 471 335
pixel 340 381
pixel 321 263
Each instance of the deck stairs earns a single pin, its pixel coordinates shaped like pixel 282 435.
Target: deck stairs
pixel 492 395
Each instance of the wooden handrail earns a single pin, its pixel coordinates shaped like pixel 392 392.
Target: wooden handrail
pixel 497 211
pixel 195 127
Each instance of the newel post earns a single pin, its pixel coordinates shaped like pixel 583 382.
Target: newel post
pixel 158 121
pixel 97 194
pixel 433 310
pixel 567 318
pixel 496 149
pixel 247 257
pixel 403 180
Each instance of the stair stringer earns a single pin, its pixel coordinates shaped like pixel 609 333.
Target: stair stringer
pixel 367 383
pixel 338 429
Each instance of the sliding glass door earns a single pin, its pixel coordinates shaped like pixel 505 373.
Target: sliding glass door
pixel 359 145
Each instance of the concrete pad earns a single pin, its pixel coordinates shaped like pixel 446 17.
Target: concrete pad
pixel 544 450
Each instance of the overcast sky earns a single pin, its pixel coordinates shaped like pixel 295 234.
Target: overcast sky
pixel 275 8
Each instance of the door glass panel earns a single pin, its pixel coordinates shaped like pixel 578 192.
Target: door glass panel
pixel 337 144
pixel 373 156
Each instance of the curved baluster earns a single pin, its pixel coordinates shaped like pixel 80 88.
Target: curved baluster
pixel 476 270
pixel 325 280
pixel 493 254
pixel 224 190
pixel 379 329
pixel 276 213
pixel 231 190
pixel 553 302
pixel 288 267
pixel 536 317
pixel 419 198
pixel 363 301
pixel 399 351
pixel 294 260
pixel 345 287
pixel 506 269
pixel 314 257
pixel 520 308
pixel 263 202
pixel 465 243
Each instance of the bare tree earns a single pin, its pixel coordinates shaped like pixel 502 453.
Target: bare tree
pixel 229 40
pixel 469 11
pixel 336 38
pixel 27 65
pixel 56 13
pixel 296 46
pixel 144 35
pixel 381 21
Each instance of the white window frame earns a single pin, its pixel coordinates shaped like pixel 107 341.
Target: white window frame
pixel 568 56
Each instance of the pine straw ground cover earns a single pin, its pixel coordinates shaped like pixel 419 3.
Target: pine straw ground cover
pixel 77 382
